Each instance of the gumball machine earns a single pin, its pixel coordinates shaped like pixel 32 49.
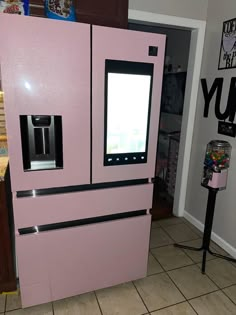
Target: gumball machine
pixel 216 164
pixel 215 173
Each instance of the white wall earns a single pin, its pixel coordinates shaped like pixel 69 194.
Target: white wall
pixel 193 9
pixel 205 129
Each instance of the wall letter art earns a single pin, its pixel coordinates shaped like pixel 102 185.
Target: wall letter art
pixel 224 128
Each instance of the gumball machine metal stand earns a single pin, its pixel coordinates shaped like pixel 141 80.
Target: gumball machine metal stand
pixel 216 164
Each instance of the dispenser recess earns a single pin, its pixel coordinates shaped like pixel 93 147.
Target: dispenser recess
pixel 41 138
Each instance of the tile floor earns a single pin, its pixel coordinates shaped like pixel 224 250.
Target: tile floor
pixel 174 285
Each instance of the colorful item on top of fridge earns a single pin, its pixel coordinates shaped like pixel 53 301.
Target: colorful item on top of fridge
pixel 14 7
pixel 60 10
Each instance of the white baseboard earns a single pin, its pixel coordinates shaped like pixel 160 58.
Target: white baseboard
pixel 216 238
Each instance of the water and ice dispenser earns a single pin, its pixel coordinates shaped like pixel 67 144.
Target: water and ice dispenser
pixel 41 137
pixel 216 164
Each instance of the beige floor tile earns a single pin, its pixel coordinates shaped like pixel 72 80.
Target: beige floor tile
pixel 196 256
pixel 159 238
pixel 216 248
pixel 158 291
pixel 85 304
pixel 179 309
pixel 2 303
pixel 170 221
pixel 171 257
pixel 44 309
pixel 155 224
pixel 180 232
pixel 191 281
pixel 187 222
pixel 13 302
pixel 153 266
pixel 121 300
pixel 196 231
pixel 231 293
pixel 192 227
pixel 221 272
pixel 213 304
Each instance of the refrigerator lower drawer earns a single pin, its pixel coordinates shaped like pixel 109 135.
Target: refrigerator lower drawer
pixel 80 205
pixel 57 264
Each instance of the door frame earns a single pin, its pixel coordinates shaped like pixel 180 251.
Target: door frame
pixel 197 28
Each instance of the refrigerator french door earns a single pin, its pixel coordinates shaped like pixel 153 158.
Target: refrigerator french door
pixel 45 69
pixel 127 82
pixel 80 177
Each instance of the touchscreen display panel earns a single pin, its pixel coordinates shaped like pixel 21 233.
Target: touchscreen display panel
pixel 128 93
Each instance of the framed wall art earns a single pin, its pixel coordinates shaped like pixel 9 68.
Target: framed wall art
pixel 227 58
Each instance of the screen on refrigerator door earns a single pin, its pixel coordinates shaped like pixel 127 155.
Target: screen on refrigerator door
pixel 128 87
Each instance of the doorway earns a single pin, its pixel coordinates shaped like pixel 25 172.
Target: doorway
pixel 197 29
pixel 171 111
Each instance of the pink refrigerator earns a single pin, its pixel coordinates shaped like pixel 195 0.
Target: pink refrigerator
pixel 82 112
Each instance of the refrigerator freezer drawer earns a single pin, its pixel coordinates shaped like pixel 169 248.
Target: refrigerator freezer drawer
pixel 58 264
pixel 80 205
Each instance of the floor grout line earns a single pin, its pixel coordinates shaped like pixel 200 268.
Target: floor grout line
pixel 154 274
pixel 231 262
pixel 5 305
pixel 163 270
pixel 182 241
pixel 177 268
pixel 163 308
pixel 192 307
pixel 228 297
pixel 213 280
pixel 166 225
pixel 196 297
pixel 140 296
pixel 192 264
pixel 160 246
pixel 176 286
pixel 53 312
pixel 100 308
pixel 229 286
pixel 218 289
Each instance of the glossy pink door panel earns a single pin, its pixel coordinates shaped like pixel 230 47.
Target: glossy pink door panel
pixel 125 45
pixel 45 67
pixel 32 269
pixel 74 206
pixel 35 294
pixel 114 252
